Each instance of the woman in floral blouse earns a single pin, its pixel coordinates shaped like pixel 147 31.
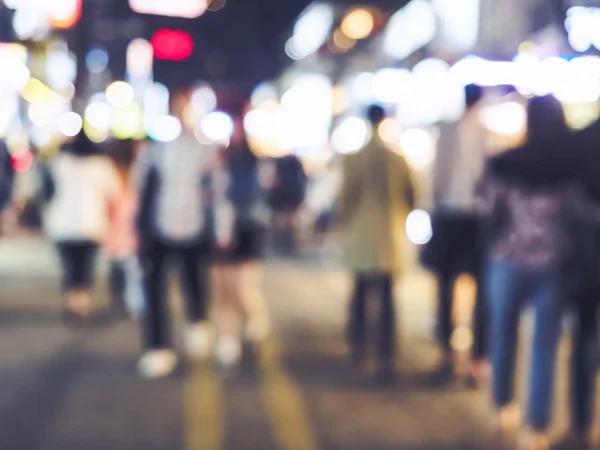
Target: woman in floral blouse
pixel 530 197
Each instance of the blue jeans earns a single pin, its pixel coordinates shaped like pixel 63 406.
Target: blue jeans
pixel 509 287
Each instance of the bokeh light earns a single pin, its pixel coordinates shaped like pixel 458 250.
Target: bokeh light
pixel 343 42
pixel 204 99
pixel 418 147
pixel 358 24
pixel 418 227
pixel 350 136
pixel 64 14
pixel 99 115
pixel 217 126
pixel 166 129
pixel 22 161
pixel 410 29
pixel 70 124
pixel 119 94
pixel 97 59
pixel 507 119
pixel 216 5
pixel 390 131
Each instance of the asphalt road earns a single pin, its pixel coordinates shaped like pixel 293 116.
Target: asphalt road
pixel 65 389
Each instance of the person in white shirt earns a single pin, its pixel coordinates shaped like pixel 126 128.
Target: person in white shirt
pixel 84 183
pixel 455 248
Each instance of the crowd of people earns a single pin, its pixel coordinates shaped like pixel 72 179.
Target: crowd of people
pixel 525 223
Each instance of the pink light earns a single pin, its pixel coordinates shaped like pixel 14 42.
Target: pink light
pixel 173 45
pixel 22 161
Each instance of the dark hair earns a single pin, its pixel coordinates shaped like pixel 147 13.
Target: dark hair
pixel 82 146
pixel 473 94
pixel 122 152
pixel 375 114
pixel 546 120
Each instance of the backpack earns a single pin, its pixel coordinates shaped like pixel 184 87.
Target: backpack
pixel 7 176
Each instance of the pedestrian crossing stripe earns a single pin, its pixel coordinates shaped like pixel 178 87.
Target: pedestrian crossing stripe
pixel 284 403
pixel 282 398
pixel 204 414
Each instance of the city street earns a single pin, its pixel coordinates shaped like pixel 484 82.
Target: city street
pixel 72 389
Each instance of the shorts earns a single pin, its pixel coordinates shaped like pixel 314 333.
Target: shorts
pixel 247 244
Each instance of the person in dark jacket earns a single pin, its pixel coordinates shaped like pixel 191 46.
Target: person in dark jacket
pixel 586 296
pixel 7 176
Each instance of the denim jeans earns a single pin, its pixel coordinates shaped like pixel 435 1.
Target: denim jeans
pixel 584 359
pixel 509 287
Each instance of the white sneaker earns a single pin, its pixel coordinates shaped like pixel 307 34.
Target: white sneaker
pixel 228 352
pixel 157 363
pixel 198 339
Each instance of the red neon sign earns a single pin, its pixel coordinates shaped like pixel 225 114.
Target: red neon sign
pixel 173 45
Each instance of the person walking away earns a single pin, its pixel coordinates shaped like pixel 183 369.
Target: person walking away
pixel 125 281
pixel 455 248
pixel 238 267
pixel 173 223
pixel 529 196
pixel 84 185
pixel 7 176
pixel 376 196
pixel 286 197
pixel 586 297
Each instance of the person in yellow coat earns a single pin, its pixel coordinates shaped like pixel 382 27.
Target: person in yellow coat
pixel 376 197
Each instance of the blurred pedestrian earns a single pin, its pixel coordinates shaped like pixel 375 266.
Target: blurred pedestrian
pixel 377 195
pixel 121 245
pixel 455 248
pixel 7 176
pixel 173 223
pixel 238 271
pixel 286 196
pixel 585 283
pixel 83 186
pixel 530 195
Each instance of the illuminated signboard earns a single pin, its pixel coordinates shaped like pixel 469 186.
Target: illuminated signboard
pixel 189 9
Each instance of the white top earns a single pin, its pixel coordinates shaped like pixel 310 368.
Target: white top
pixel 84 189
pixel 461 155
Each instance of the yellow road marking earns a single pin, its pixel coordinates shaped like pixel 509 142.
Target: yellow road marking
pixel 284 403
pixel 204 414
